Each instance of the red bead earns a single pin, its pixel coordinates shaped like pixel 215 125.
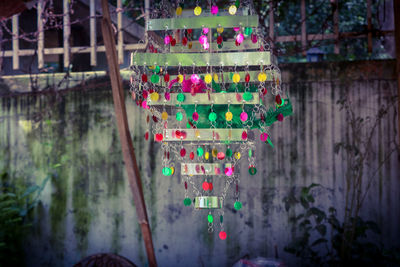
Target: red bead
pixel 280 117
pixel 144 78
pixel 184 41
pixel 173 42
pixel 155 118
pixel 206 186
pixel 166 77
pixel 147 118
pixel 146 136
pixel 183 152
pixel 237 43
pixel 185 185
pixel 189 31
pixel 145 94
pixel 191 155
pixel 210 186
pixel 264 91
pixel 159 137
pixel 278 100
pixel 244 135
pixel 167 155
pixel 219 39
pixel 247 78
pixel 222 235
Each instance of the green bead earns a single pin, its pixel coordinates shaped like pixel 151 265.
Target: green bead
pixel 229 152
pixel 210 218
pixel 155 78
pixel 252 170
pixel 166 171
pixel 187 202
pixel 248 31
pixel 221 219
pixel 179 116
pixel 220 46
pixel 250 153
pixel 237 205
pixel 157 69
pixel 212 116
pixel 200 151
pixel 237 3
pixel 180 97
pixel 188 126
pixel 247 96
pixel 230 75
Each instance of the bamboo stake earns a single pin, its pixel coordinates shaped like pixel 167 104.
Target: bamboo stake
pixel 125 138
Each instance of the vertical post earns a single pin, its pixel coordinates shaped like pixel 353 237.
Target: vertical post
pixel 120 33
pixel 67 33
pixel 15 42
pixel 303 28
pixel 396 8
pixel 271 23
pixel 40 47
pixel 93 33
pixel 335 5
pixel 124 135
pixel 369 22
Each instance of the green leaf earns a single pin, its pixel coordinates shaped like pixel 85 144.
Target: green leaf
pixel 30 190
pixel 321 228
pixel 319 241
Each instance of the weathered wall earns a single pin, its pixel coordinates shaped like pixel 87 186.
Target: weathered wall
pixel 87 207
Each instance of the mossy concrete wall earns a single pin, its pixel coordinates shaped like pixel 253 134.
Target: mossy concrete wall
pixel 87 206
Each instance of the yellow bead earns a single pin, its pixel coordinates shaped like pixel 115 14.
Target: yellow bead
pixel 215 77
pixel 237 155
pixel 164 115
pixel 190 44
pixel 262 77
pixel 232 10
pixel 197 11
pixel 154 97
pixel 197 133
pixel 214 152
pixel 180 78
pixel 220 30
pixel 208 78
pixel 172 170
pixel 277 81
pixel 207 155
pixel 178 11
pixel 236 78
pixel 228 116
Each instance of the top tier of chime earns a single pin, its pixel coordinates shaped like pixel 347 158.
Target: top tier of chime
pixel 211 86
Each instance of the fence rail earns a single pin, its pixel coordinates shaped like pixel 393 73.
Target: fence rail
pixel 67 50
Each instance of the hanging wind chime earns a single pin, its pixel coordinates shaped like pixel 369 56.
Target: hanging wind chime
pixel 212 90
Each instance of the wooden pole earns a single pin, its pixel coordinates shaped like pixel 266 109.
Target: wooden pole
pixel 336 25
pixel 396 8
pixel 303 28
pixel 15 42
pixel 123 129
pixel 66 34
pixel 40 46
pixel 93 33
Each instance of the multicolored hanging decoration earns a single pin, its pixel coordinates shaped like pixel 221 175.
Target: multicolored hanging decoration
pixel 211 100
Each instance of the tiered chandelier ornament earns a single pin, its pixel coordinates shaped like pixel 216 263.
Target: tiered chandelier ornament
pixel 213 84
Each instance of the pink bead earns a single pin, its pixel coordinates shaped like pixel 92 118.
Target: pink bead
pixel 236 29
pixel 144 104
pixel 240 38
pixel 229 171
pixel 243 116
pixel 167 39
pixel 195 116
pixel 217 170
pixel 214 10
pixel 280 117
pixel 264 137
pixel 222 235
pixel 167 96
pixel 205 30
pixel 254 38
pixel 202 39
pixel 195 78
pixel 206 46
